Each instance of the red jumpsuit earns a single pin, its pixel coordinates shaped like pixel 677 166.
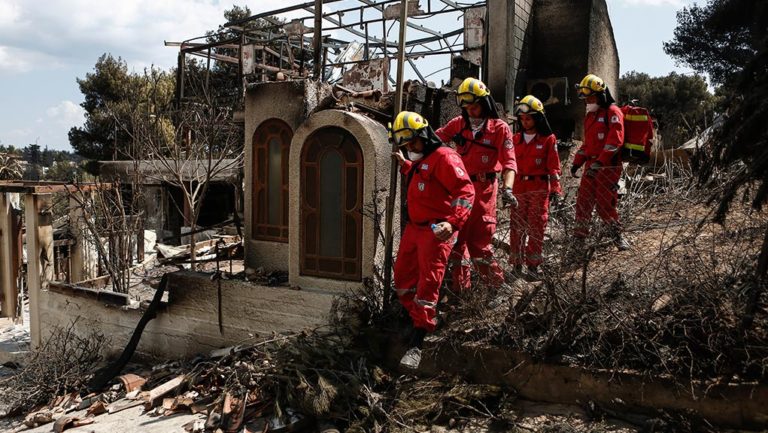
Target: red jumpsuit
pixel 486 156
pixel 603 138
pixel 439 190
pixel 538 175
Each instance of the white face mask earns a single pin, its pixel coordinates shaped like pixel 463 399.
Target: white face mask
pixel 415 156
pixel 528 137
pixel 591 108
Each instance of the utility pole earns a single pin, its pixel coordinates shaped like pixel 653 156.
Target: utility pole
pixel 317 44
pixel 393 169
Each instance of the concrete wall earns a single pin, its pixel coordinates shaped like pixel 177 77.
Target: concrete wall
pixel 571 38
pixel 508 22
pixel 189 324
pixel 291 102
pixel 603 54
pixel 372 137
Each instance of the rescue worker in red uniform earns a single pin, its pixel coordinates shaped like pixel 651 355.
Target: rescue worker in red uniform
pixel 438 203
pixel 484 142
pixel 600 155
pixel 536 184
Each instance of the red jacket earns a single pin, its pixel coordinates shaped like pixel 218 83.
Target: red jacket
pixel 439 189
pixel 492 151
pixel 538 158
pixel 603 137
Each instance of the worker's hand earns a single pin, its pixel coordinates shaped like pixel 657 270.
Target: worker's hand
pixel 507 198
pixel 592 171
pixel 554 199
pixel 398 155
pixel 443 231
pixel 575 170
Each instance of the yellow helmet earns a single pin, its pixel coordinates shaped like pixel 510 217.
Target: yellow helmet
pixel 470 91
pixel 529 103
pixel 408 125
pixel 589 85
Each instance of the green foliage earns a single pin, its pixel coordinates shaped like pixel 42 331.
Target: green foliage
pixel 64 171
pixel 728 39
pixel 681 104
pixel 716 39
pixel 112 95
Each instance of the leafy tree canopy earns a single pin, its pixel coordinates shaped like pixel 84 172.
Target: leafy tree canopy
pixel 111 95
pixel 718 39
pixel 728 39
pixel 681 104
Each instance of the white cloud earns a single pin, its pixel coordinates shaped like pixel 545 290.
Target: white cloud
pixel 9 12
pixel 15 60
pixel 66 113
pixel 78 31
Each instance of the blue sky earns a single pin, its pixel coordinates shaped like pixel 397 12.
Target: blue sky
pixel 46 45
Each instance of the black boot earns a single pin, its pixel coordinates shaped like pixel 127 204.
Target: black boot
pixel 412 357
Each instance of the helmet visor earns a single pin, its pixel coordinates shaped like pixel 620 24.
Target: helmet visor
pixel 401 137
pixel 466 98
pixel 583 92
pixel 523 108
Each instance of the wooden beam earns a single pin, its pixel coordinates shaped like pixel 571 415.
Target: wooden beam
pixel 8 296
pixel 39 257
pixel 77 252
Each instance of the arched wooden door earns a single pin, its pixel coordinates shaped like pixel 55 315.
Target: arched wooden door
pixel 331 205
pixel 271 147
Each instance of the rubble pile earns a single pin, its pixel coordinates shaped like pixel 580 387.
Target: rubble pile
pixel 298 382
pixel 685 302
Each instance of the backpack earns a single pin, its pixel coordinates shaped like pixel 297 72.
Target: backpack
pixel 638 134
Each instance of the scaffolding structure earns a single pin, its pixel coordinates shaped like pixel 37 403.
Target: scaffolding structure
pixel 344 36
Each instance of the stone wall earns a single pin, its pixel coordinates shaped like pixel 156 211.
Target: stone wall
pixel 188 325
pixel 570 39
pixel 291 102
pixel 376 151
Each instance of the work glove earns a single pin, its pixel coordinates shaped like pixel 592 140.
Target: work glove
pixel 507 198
pixel 554 199
pixel 592 171
pixel 575 170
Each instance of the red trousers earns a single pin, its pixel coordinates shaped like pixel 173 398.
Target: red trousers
pixel 528 219
pixel 419 271
pixel 600 192
pixel 474 241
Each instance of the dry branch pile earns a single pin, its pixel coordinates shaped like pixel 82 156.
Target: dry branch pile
pixel 62 365
pixel 684 302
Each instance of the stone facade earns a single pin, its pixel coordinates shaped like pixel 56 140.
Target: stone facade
pixel 293 103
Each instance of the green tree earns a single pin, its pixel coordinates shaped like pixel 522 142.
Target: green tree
pixel 681 104
pixel 728 39
pixel 718 39
pixel 112 96
pixel 64 171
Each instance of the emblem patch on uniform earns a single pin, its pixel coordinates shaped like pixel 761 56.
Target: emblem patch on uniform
pixel 539 146
pixel 486 141
pixel 484 158
pixel 600 135
pixel 425 166
pixel 601 119
pixel 614 119
pixel 459 171
pixel 421 186
pixel 539 161
pixel 508 144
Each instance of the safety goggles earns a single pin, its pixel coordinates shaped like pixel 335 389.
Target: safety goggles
pixel 466 98
pixel 523 108
pixel 583 92
pixel 401 137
